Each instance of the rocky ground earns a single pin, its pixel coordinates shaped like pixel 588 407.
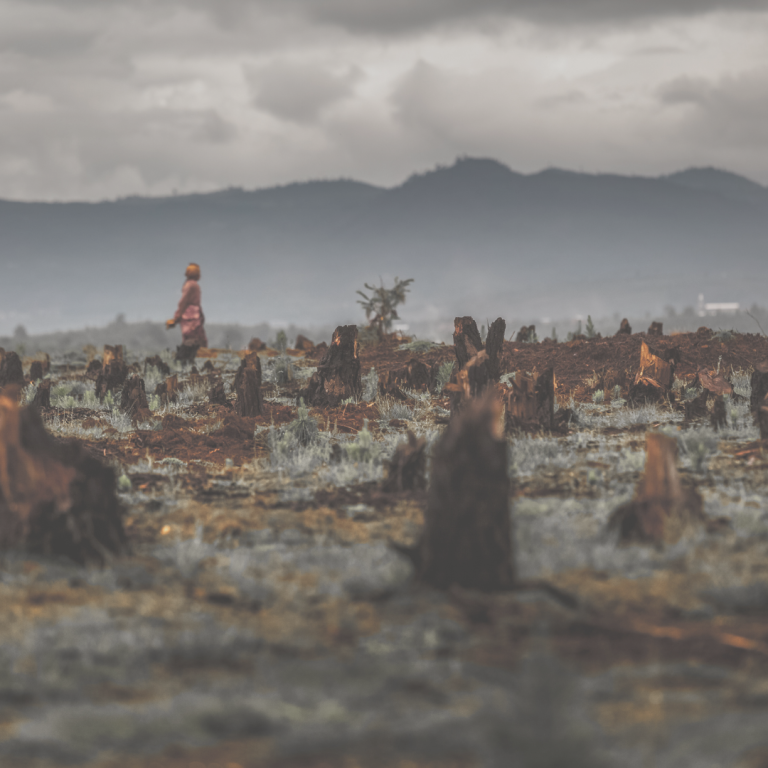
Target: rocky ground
pixel 267 615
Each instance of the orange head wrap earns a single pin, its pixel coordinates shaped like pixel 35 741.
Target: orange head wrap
pixel 193 272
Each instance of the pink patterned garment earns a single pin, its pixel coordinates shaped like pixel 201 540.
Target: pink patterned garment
pixel 190 315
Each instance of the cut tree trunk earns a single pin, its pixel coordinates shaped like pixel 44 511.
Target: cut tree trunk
pixel 406 471
pixel 663 509
pixel 111 378
pixel 55 499
pixel 11 371
pixel 248 386
pixel 256 345
pixel 466 340
pixel 337 376
pixel 480 362
pixel 656 329
pixel 493 344
pixel 36 370
pixel 654 377
pixel 94 369
pixel 133 400
pixel 530 403
pixel 467 539
pixel 42 398
pixel 624 328
pixel 759 382
pixel 111 354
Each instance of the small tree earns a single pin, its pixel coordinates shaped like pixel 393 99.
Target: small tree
pixel 380 305
pixel 591 332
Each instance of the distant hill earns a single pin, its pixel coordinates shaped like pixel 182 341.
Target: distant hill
pixel 477 237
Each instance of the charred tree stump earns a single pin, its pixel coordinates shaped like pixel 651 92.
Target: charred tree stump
pixel 406 470
pixel 759 382
pixel 55 499
pixel 493 343
pixel 248 386
pixel 11 371
pixel 217 395
pixel 111 378
pixel 417 375
pixel 624 328
pixel 42 398
pixel 133 399
pixel 663 509
pixel 36 370
pixel 186 353
pixel 256 345
pixel 718 419
pixel 656 329
pixel 389 387
pixel 466 340
pixel 94 369
pixel 485 360
pixel 167 390
pixel 526 334
pixel 530 403
pixel 111 354
pixel 157 362
pixel 697 408
pixel 714 382
pixel 654 377
pixel 303 344
pixel 338 373
pixel 467 539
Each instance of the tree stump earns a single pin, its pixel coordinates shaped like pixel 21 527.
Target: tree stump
pixel 762 419
pixel 36 370
pixel 11 371
pixel 493 344
pixel 526 334
pixel 759 383
pixel 157 362
pixel 217 395
pixel 697 408
pixel 466 340
pixel 133 399
pixel 186 353
pixel 719 419
pixel 248 386
pixel 256 345
pixel 55 499
pixel 303 344
pixel 93 370
pixel 406 471
pixel 530 403
pixel 663 510
pixel 417 375
pixel 624 328
pixel 714 382
pixel 111 354
pixel 656 329
pixel 42 398
pixel 338 374
pixel 467 539
pixel 654 377
pixel 111 378
pixel 486 368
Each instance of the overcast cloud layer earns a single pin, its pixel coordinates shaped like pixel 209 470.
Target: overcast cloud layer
pixel 105 98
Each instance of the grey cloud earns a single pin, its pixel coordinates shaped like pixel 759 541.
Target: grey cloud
pixel 298 92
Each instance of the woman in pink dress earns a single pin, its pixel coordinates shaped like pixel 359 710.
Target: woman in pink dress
pixel 189 313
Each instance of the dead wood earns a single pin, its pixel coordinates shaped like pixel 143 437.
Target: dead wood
pixel 186 353
pixel 389 386
pixel 54 498
pixel 663 509
pixel 530 403
pixel 759 383
pixel 493 343
pixel 42 398
pixel 624 328
pixel 303 344
pixel 217 395
pixel 256 345
pixel 713 382
pixel 133 399
pixel 718 419
pixel 466 340
pixel 157 362
pixel 697 408
pixel 654 377
pixel 467 539
pixel 248 386
pixel 167 390
pixel 656 329
pixel 11 371
pixel 94 369
pixel 525 334
pixel 36 370
pixel 337 376
pixel 762 420
pixel 479 365
pixel 406 470
pixel 111 354
pixel 111 378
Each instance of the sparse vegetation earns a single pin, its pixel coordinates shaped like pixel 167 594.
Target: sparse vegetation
pixel 381 305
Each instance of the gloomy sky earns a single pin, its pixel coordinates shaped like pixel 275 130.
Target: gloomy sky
pixel 105 98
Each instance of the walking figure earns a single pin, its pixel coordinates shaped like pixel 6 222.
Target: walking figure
pixel 189 314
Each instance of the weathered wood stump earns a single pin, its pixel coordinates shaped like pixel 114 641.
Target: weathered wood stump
pixel 759 383
pixel 656 329
pixel 55 499
pixel 467 539
pixel 406 471
pixel 663 509
pixel 111 378
pixel 530 403
pixel 111 354
pixel 256 345
pixel 11 371
pixel 157 362
pixel 479 364
pixel 714 382
pixel 186 353
pixel 42 398
pixel 719 419
pixel 493 343
pixel 217 395
pixel 466 340
pixel 654 377
pixel 303 344
pixel 248 386
pixel 168 390
pixel 94 369
pixel 338 374
pixel 133 399
pixel 36 370
pixel 624 328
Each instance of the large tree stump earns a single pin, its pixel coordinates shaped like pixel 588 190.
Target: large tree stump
pixel 42 398
pixel 111 354
pixel 36 370
pixel 111 378
pixel 248 386
pixel 338 374
pixel 186 353
pixel 625 328
pixel 530 403
pixel 94 369
pixel 55 499
pixel 467 539
pixel 663 509
pixel 406 471
pixel 133 399
pixel 466 340
pixel 467 345
pixel 11 371
pixel 256 345
pixel 493 344
pixel 654 377
pixel 656 329
pixel 759 383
